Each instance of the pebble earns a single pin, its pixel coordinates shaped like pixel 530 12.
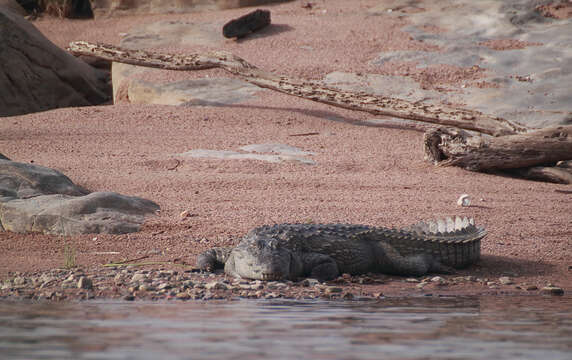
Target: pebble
pixel 552 290
pixel 276 285
pixel 310 282
pixel 183 296
pixel 163 286
pixel 138 277
pixel 216 285
pixel 69 284
pixel 439 280
pixel 412 280
pixel 505 280
pixel 333 290
pixel 19 280
pixel 84 283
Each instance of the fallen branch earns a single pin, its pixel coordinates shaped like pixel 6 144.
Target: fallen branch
pixel 532 155
pixel 360 101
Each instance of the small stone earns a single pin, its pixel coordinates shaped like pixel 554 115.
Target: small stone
pixel 491 283
pixel 438 280
pixel 348 296
pixel 187 284
pixel 183 296
pixel 138 277
pixel 505 280
pixel 215 285
pixel 271 296
pixel 67 284
pixel 412 280
pixel 84 283
pixel 276 285
pixel 257 285
pixel 129 298
pixel 7 284
pixel 310 282
pixel 163 286
pixel 470 278
pixel 464 200
pixel 19 280
pixel 552 290
pixel 530 287
pixel 46 278
pixel 378 295
pixel 333 290
pixel 145 287
pixel 421 285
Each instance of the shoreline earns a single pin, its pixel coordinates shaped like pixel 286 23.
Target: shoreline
pixel 365 170
pixel 131 283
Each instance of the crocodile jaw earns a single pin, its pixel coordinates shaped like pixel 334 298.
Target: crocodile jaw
pixel 261 264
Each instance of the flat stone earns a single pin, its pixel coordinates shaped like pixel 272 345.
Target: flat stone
pixel 144 85
pixel 505 280
pixel 528 83
pixel 274 153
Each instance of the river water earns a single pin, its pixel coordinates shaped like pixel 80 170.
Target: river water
pixel 411 328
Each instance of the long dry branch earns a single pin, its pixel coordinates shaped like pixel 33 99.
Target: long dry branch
pixel 311 90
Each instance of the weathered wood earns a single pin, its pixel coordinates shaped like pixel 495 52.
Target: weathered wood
pixel 547 146
pixel 554 174
pixel 307 89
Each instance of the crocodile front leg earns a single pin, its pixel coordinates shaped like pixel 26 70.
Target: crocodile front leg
pixel 319 266
pixel 214 258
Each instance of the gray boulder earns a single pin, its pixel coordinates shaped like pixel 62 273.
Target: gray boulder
pixel 38 199
pixel 98 212
pixel 36 75
pixel 22 181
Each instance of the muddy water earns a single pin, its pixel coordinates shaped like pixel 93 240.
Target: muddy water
pixel 422 328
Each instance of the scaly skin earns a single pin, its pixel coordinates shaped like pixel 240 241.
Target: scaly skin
pixel 291 251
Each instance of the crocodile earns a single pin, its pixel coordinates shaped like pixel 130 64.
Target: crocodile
pixel 324 251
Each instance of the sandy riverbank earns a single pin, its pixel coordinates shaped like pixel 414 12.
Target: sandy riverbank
pixel 362 174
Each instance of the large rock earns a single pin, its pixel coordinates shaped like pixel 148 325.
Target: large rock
pixel 106 8
pixel 36 75
pixel 22 181
pixel 13 6
pixel 38 199
pixel 98 212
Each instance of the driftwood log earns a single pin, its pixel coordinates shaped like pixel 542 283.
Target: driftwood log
pixel 311 90
pixel 531 153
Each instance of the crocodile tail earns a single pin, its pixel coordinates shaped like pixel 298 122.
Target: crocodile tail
pixel 453 241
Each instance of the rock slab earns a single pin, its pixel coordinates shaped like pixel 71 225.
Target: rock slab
pixel 36 75
pixel 38 199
